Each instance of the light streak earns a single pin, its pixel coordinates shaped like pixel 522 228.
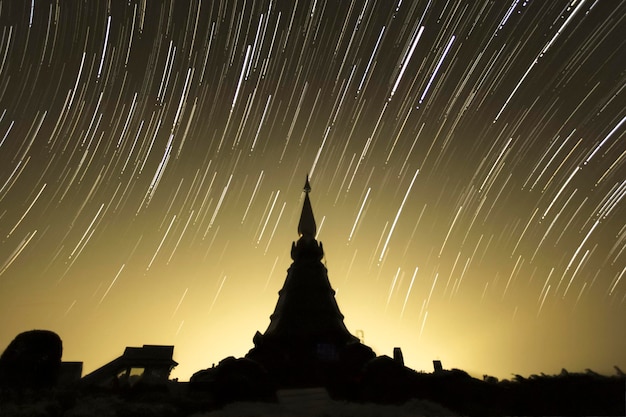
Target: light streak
pixel 161 244
pixel 395 220
pixel 112 282
pixel 217 293
pixel 241 77
pixel 434 74
pixel 443 245
pixel 220 201
pixel 358 216
pixel 408 292
pixel 269 241
pixel 43 187
pixel 256 187
pixel 406 61
pixel 16 253
pixel 423 325
pixel 606 138
pixel 104 47
pixel 180 302
pixel 393 285
pixel 267 218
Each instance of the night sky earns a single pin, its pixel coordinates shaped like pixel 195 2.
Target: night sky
pixel 467 162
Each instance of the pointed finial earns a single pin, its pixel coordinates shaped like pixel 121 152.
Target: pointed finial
pixel 306 226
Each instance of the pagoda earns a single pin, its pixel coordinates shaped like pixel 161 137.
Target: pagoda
pixel 307 342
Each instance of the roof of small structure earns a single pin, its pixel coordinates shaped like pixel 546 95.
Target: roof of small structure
pixel 155 356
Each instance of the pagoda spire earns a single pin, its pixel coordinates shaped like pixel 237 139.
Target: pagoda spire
pixel 307 228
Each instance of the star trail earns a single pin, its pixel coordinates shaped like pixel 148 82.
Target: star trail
pixel 467 162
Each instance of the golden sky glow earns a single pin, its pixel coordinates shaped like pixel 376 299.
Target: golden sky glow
pixel 467 160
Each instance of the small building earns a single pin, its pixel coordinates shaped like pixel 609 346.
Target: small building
pixel 150 364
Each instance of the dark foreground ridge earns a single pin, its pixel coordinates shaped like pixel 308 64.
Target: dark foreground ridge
pixel 35 384
pixel 305 363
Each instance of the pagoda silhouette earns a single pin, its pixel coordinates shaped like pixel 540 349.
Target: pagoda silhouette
pixel 307 342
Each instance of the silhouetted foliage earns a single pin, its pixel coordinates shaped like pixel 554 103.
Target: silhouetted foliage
pixel 490 379
pixel 235 380
pixel 29 369
pixel 387 381
pixel 32 360
pixel 570 394
pixel 384 382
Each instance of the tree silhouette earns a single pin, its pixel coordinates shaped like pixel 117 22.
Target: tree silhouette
pixel 32 360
